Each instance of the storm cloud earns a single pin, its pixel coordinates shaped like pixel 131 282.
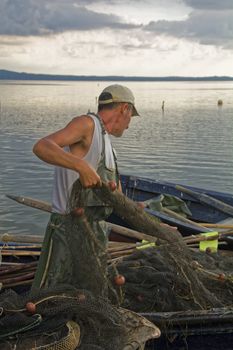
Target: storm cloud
pixel 31 17
pixel 208 22
pixel 210 4
pixel 210 27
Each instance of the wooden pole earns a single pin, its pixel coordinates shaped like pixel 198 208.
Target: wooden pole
pixel 18 278
pixel 8 237
pixel 6 252
pixel 223 226
pixel 181 218
pixel 208 200
pixel 31 202
pixel 131 233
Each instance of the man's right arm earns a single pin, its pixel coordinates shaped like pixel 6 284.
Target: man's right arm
pixel 50 149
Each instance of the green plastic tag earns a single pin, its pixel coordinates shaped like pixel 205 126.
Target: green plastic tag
pixel 213 244
pixel 145 244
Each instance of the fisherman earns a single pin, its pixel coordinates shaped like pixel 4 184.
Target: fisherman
pixel 82 150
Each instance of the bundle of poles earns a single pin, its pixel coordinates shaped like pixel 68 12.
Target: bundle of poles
pixel 16 248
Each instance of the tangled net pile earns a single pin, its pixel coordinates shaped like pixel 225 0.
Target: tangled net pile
pixel 168 277
pixel 67 318
pixel 80 316
pixel 154 285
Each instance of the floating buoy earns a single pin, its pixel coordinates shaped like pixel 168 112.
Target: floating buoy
pixel 220 102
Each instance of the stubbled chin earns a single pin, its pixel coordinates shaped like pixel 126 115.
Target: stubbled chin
pixel 119 134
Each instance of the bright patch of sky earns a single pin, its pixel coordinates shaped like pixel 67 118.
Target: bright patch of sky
pixel 145 11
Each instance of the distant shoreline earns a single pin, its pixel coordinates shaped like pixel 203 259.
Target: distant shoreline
pixel 11 75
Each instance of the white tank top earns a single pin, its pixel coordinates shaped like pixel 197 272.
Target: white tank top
pixel 64 178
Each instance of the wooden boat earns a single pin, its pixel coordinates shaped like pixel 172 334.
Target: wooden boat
pixel 198 329
pixel 206 206
pixel 194 329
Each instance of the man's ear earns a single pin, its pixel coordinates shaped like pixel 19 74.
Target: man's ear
pixel 124 108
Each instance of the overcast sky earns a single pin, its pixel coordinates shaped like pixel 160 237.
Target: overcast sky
pixel 117 37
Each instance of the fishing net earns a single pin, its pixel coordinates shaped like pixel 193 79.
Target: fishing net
pixel 87 241
pixel 86 312
pixel 181 274
pixel 81 256
pixel 153 283
pixel 68 318
pixel 74 312
pixel 169 277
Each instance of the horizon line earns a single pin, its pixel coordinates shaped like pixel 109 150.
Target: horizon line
pixel 7 74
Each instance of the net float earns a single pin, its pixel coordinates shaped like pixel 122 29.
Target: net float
pixel 119 280
pixel 221 277
pixel 77 212
pixel 112 186
pixel 31 307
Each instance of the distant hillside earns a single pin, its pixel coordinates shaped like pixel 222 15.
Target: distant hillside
pixel 10 75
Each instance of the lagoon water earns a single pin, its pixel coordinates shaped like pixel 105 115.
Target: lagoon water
pixel 191 142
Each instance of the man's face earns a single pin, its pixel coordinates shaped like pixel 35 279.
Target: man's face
pixel 124 118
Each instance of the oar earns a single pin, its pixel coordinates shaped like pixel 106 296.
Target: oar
pixel 209 200
pixel 30 202
pixel 182 218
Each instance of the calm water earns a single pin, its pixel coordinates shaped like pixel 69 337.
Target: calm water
pixel 190 143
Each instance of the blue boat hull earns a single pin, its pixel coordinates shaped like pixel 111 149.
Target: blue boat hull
pixel 198 330
pixel 141 189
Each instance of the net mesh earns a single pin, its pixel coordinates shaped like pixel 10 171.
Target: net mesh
pixel 169 277
pixel 154 285
pixel 181 273
pixel 101 324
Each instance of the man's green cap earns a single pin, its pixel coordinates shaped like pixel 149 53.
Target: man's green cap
pixel 117 93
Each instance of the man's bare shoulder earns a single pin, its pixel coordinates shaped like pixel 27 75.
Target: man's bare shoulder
pixel 83 119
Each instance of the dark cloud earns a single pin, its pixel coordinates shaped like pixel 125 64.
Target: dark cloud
pixel 32 17
pixel 210 22
pixel 207 27
pixel 210 4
